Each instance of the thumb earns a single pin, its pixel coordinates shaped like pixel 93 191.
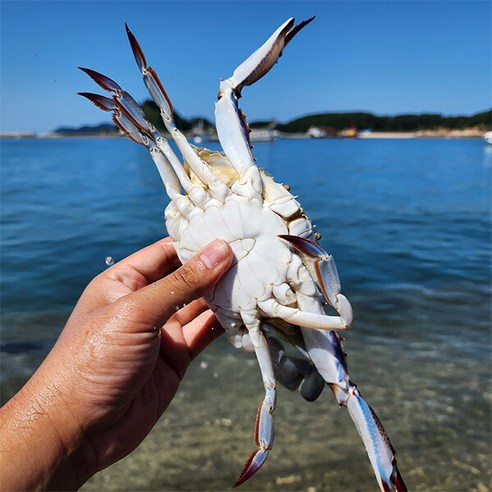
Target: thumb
pixel 157 302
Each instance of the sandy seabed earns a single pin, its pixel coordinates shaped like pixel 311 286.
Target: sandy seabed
pixel 204 438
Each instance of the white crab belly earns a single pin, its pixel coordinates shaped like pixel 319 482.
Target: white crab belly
pixel 261 258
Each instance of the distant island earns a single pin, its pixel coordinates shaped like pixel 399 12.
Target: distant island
pixel 322 125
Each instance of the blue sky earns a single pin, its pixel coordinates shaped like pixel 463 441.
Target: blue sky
pixel 387 57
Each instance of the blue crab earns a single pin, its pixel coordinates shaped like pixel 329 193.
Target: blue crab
pixel 282 280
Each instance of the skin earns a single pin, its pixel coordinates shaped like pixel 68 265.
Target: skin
pixel 114 369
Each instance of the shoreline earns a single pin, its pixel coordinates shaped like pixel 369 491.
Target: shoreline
pixel 441 133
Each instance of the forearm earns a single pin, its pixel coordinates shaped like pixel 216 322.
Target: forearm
pixel 40 449
pixel 110 376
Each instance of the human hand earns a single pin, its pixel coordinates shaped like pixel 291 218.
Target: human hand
pixel 115 368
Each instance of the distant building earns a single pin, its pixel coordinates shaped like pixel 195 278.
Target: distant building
pixel 331 131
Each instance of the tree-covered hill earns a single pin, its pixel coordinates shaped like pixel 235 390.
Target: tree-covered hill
pixel 337 121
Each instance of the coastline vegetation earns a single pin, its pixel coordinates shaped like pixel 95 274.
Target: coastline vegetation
pixel 397 123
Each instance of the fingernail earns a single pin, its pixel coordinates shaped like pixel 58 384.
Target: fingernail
pixel 214 253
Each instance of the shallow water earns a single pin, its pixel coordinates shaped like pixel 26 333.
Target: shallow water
pixel 409 224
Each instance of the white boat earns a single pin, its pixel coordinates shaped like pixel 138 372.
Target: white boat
pixel 263 135
pixel 488 137
pixel 199 134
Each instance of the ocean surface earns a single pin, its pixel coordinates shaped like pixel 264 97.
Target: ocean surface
pixel 409 224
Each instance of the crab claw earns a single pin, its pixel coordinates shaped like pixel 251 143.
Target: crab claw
pixel 265 57
pixel 232 128
pixel 254 463
pixel 263 437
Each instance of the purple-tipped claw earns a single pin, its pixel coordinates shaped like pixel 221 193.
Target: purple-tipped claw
pixel 397 480
pixel 294 30
pixel 151 79
pixel 263 436
pixel 306 246
pixel 104 103
pixel 137 50
pixel 254 463
pixel 102 80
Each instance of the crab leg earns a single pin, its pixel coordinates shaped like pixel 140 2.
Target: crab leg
pixel 217 188
pixel 232 128
pixel 264 418
pixel 324 349
pixel 135 133
pixel 295 316
pixel 326 274
pixel 134 121
pixel 324 269
pixel 376 441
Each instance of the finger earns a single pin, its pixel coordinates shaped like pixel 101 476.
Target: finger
pixel 185 330
pixel 130 274
pixel 145 266
pixel 202 332
pixel 155 304
pixel 173 342
pixel 179 346
pixel 188 313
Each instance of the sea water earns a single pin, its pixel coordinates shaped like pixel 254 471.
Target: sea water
pixel 409 224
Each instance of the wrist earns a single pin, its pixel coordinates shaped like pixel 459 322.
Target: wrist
pixel 41 447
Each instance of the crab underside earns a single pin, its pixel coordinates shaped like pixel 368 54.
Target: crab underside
pixel 282 282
